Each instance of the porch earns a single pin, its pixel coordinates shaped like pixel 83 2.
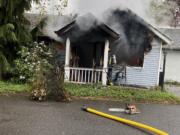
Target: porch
pixel 89 74
pixel 87 50
pixel 83 75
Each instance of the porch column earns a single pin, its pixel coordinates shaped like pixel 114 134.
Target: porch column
pixel 105 66
pixel 67 60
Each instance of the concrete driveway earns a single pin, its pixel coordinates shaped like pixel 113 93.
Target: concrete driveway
pixel 19 116
pixel 173 89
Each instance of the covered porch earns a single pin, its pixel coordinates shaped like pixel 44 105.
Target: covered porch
pixel 90 70
pixel 87 51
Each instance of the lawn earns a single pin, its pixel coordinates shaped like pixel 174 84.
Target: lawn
pixel 8 87
pixel 124 94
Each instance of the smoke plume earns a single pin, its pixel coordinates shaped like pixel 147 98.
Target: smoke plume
pixel 98 7
pixel 54 23
pixel 134 36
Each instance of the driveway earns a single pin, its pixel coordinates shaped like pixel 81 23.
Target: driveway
pixel 173 89
pixel 19 116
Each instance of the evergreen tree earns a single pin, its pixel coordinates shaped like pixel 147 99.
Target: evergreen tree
pixel 13 29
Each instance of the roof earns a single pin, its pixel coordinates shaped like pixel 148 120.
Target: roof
pixel 65 23
pixel 85 24
pixel 161 35
pixel 158 33
pixel 127 17
pixel 174 34
pixel 54 21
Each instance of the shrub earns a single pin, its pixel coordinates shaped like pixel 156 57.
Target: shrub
pixel 33 60
pixel 38 66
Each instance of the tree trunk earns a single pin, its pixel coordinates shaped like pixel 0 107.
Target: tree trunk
pixel 55 83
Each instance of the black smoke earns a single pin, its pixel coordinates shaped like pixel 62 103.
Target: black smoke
pixel 135 37
pixel 86 32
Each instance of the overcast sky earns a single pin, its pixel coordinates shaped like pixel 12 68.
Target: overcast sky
pixel 97 7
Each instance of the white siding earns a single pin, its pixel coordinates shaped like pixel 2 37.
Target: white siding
pixel 148 75
pixel 173 66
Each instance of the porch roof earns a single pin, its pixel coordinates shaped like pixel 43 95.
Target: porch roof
pixel 73 29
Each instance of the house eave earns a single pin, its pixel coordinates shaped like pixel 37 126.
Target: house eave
pixel 171 48
pixel 166 40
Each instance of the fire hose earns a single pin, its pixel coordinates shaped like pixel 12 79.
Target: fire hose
pixel 126 121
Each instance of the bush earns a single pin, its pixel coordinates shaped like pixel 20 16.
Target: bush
pixel 32 61
pixel 37 65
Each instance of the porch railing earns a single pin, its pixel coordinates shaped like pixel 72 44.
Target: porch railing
pixel 83 75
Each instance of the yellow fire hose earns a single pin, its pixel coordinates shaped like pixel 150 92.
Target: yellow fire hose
pixel 125 121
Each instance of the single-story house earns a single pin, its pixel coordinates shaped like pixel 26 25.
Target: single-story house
pixel 90 45
pixel 173 54
pixel 125 50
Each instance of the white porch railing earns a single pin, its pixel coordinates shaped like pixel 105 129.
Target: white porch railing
pixel 83 75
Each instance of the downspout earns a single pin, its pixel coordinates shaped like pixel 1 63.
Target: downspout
pixel 164 70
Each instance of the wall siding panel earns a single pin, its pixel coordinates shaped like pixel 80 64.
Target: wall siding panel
pixel 148 75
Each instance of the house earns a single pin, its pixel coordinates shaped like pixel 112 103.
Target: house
pixel 88 47
pixel 173 54
pixel 43 28
pixel 91 45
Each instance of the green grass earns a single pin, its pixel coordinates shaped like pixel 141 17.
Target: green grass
pixel 120 93
pixel 124 94
pixel 8 87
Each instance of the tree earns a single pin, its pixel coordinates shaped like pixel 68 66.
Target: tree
pixel 13 30
pixel 15 34
pixel 55 78
pixel 49 82
pixel 166 12
pixel 176 21
pixel 176 1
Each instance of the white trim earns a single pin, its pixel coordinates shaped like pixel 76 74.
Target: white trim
pixel 80 68
pixel 67 60
pixel 83 75
pixel 159 69
pixel 166 39
pixel 104 74
pixel 136 68
pixel 68 52
pixel 66 74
